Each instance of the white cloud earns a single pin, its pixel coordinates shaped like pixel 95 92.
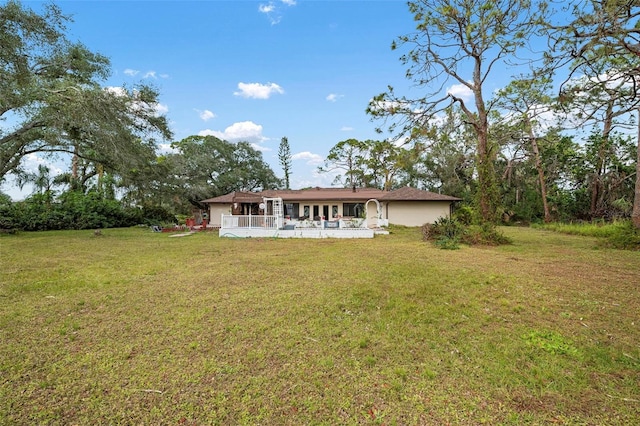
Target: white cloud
pixel 206 114
pixel 161 109
pixel 241 131
pixel 460 91
pixel 150 74
pixel 260 148
pixel 310 158
pixel 131 72
pixel 32 161
pixel 166 148
pixel 116 90
pixel 334 97
pixel 257 90
pixel 273 9
pixel 346 129
pixel 267 8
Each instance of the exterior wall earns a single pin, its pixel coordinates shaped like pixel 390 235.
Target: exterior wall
pixel 216 211
pixel 416 213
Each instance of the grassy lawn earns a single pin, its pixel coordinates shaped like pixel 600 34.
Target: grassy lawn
pixel 133 327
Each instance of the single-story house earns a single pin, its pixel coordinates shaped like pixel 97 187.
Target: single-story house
pixel 405 206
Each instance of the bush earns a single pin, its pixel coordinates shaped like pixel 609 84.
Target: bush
pixel 486 235
pixel 625 237
pixel 445 232
pixel 465 215
pixel 449 233
pixel 72 210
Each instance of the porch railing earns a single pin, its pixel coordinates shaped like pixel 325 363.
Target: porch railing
pixel 248 222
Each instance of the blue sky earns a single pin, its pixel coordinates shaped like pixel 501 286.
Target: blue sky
pixel 252 70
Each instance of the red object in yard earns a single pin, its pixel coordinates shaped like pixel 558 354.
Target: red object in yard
pixel 204 223
pixel 191 222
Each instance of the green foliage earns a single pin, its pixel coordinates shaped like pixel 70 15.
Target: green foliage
pixel 625 237
pixel 53 88
pixel 207 167
pixel 72 210
pixel 284 156
pixel 619 234
pixel 448 233
pixel 486 234
pixel 466 215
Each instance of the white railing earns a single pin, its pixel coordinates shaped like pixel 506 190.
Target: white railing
pixel 250 222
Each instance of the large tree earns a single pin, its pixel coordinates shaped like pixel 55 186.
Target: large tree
pixel 347 160
pixel 206 167
pixel 602 42
pixel 525 100
pixel 52 100
pixel 459 41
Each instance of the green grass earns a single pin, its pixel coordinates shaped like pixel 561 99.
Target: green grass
pixel 134 327
pixel 619 234
pixel 588 229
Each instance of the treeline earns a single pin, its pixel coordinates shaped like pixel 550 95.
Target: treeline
pixel 584 180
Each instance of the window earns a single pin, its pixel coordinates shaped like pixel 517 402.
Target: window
pixel 306 212
pixel 316 212
pixel 334 211
pixel 353 209
pixel 292 210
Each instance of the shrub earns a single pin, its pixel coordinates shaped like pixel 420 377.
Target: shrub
pixel 486 234
pixel 449 233
pixel 465 215
pixel 445 232
pixel 625 237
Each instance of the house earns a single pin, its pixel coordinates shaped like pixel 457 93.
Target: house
pixel 326 208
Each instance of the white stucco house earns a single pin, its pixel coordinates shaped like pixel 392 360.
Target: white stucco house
pixel 327 211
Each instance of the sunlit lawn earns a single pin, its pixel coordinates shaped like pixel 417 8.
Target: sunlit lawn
pixel 134 327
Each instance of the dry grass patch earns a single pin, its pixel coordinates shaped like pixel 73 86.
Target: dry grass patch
pixel 133 327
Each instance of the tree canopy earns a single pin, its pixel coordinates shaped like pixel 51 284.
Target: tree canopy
pixel 52 101
pixel 206 167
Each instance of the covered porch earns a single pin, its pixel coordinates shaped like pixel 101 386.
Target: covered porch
pixel 273 224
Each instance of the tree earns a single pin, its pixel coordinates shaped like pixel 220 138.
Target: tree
pixel 284 155
pixel 42 181
pixel 463 41
pixel 603 39
pixel 206 167
pixel 349 157
pixel 525 99
pixel 50 87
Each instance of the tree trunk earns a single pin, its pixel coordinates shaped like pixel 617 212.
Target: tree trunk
pixel 597 192
pixel 543 184
pixel 487 192
pixel 635 215
pixel 540 169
